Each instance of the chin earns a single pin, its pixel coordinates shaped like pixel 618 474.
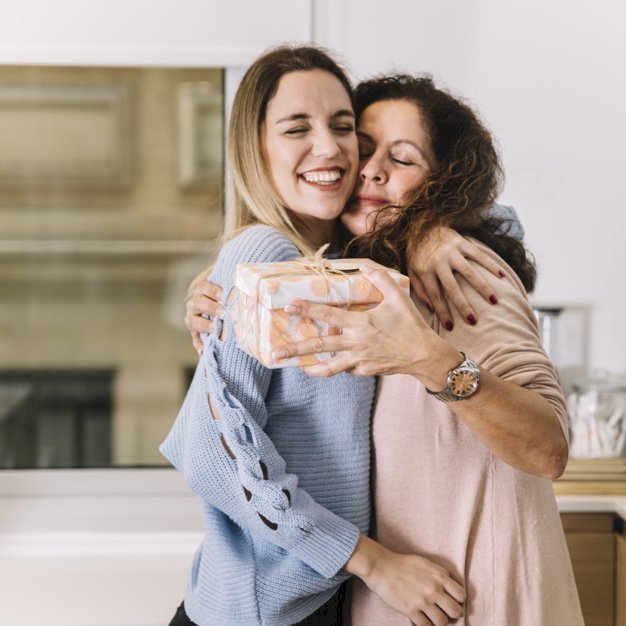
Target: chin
pixel 358 220
pixel 355 225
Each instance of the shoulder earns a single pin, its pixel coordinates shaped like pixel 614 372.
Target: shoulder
pixel 510 283
pixel 513 309
pixel 260 244
pixel 511 321
pixel 254 244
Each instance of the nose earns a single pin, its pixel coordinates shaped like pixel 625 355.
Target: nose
pixel 373 170
pixel 325 144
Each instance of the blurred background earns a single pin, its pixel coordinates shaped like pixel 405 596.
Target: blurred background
pixel 112 127
pixel 111 185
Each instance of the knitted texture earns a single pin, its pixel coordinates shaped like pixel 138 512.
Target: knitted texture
pixel 511 225
pixel 282 473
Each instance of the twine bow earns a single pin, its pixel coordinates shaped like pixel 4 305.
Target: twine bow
pixel 320 265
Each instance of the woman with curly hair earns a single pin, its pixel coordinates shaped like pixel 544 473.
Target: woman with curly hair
pixel 469 422
pixel 467 429
pixel 279 460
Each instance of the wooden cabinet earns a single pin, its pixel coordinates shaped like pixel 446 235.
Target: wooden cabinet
pixel 597 547
pixel 620 578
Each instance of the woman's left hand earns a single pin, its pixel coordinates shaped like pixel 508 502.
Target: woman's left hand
pixel 433 269
pixel 390 338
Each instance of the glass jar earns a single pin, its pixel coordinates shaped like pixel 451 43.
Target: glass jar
pixel 597 416
pixel 547 318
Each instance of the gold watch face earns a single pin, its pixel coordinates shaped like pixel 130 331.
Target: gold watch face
pixel 463 382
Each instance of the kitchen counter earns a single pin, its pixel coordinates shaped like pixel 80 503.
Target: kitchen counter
pixel 592 504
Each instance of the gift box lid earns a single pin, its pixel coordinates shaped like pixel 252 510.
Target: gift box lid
pixel 336 281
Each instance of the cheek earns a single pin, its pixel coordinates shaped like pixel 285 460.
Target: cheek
pixel 351 150
pixel 281 164
pixel 407 184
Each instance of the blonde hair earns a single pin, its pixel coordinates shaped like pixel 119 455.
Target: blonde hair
pixel 251 197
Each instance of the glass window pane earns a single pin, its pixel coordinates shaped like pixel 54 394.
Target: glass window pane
pixel 111 186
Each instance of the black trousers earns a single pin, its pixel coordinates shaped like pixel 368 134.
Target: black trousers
pixel 329 614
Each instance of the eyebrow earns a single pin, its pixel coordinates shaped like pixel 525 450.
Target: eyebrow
pixel 411 143
pixel 305 116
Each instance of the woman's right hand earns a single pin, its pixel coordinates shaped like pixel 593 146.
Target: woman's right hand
pixel 202 304
pixel 411 584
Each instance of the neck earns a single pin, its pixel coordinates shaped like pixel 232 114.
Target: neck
pixel 318 232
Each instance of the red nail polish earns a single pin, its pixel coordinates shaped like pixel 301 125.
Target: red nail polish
pixel 501 274
pixel 449 326
pixel 493 299
pixel 471 319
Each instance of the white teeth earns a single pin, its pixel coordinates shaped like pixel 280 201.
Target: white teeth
pixel 325 177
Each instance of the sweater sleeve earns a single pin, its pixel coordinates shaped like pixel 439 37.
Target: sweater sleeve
pixel 511 224
pixel 506 339
pixel 230 461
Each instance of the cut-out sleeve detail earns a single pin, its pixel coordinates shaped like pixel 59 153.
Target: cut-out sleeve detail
pixel 231 462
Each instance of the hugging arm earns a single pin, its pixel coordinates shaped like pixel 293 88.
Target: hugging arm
pixel 444 256
pixel 203 304
pixel 220 446
pixel 433 269
pixel 518 411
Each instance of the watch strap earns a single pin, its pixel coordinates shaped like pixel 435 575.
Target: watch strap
pixel 462 382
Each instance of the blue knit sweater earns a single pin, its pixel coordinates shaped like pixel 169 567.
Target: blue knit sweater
pixel 282 477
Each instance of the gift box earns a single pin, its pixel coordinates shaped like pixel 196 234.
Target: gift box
pixel 261 324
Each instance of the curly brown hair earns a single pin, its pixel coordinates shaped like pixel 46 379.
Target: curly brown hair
pixel 464 181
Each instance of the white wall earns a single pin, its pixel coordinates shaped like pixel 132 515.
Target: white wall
pixel 531 67
pixel 147 32
pixel 550 79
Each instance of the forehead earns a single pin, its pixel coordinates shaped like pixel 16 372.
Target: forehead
pixel 308 91
pixel 393 120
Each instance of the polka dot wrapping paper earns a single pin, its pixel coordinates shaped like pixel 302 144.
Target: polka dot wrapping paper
pixel 262 325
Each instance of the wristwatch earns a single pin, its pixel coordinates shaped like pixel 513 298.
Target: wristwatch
pixel 462 382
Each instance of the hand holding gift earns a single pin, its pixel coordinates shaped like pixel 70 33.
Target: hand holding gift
pixel 261 324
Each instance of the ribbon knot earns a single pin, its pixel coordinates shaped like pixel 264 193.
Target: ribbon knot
pixel 320 265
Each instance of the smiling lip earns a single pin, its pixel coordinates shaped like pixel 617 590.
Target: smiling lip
pixel 363 200
pixel 326 178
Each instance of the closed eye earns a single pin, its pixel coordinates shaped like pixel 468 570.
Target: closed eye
pixel 344 128
pixel 296 131
pixel 401 162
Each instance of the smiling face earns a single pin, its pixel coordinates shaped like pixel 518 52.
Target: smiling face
pixel 310 147
pixel 395 157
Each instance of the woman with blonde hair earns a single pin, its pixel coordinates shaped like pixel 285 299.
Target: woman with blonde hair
pixel 469 423
pixel 280 460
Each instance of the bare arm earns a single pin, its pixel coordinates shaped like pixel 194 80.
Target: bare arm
pixel 434 270
pixel 411 584
pixel 517 424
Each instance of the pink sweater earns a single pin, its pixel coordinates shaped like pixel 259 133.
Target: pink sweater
pixel 441 493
